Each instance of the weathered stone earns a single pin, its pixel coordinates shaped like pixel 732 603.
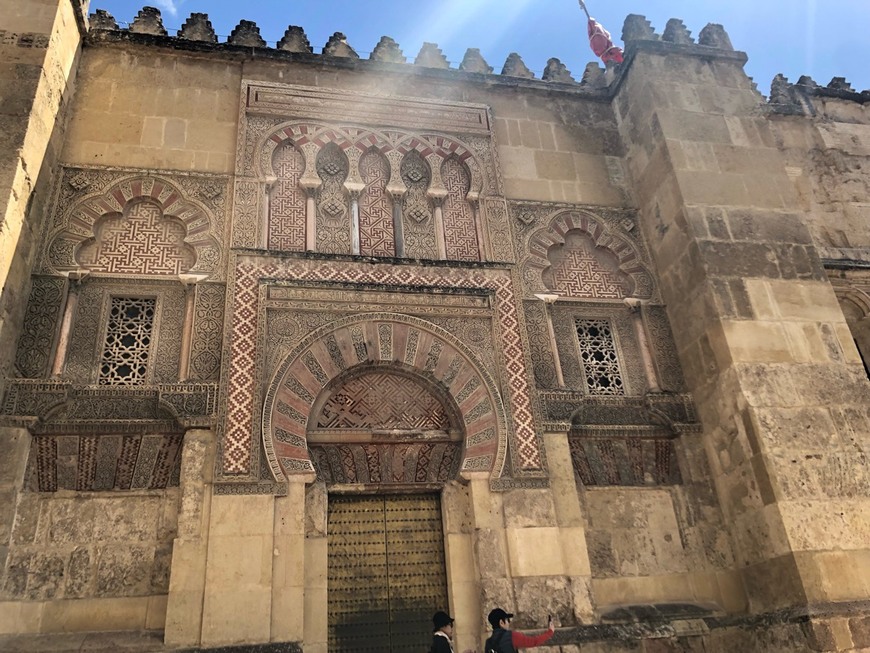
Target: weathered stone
pixel 430 56
pixel 198 28
pixel 295 40
pixel 556 71
pixel 715 36
pixel 593 76
pixel 124 572
pixel 148 21
pixel 246 33
pixel 514 67
pixel 638 28
pixel 102 19
pixel 473 62
pixel 676 32
pixel 388 50
pixel 337 46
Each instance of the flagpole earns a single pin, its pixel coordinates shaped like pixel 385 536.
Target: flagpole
pixel 585 10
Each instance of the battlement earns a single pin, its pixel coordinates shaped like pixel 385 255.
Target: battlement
pixel 197 33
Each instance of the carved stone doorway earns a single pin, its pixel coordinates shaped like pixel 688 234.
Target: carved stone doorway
pixel 386 572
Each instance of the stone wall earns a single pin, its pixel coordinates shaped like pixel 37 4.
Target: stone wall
pixel 80 559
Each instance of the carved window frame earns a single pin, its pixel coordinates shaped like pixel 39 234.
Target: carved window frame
pixel 617 354
pixel 148 350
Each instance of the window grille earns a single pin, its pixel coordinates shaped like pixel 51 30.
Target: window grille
pixel 599 357
pixel 128 341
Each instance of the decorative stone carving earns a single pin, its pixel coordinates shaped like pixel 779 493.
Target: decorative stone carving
pixel 287 212
pixel 624 457
pixel 417 212
pixel 460 230
pixel 35 344
pixel 132 223
pixel 386 464
pixel 375 207
pixel 208 324
pixel 333 221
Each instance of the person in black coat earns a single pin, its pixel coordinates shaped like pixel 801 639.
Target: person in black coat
pixel 442 638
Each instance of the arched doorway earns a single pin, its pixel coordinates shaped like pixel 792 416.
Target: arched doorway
pixel 384 439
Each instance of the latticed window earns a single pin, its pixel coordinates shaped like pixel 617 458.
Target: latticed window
pixel 128 341
pixel 598 354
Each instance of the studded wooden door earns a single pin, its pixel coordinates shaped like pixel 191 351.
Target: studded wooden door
pixel 386 572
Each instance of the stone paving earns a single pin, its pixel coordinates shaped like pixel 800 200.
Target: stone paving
pixel 125 642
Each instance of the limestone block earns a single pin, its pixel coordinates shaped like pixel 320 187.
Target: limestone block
pixel 242 515
pixel 95 615
pixel 496 592
pixel 518 163
pixel 562 484
pixel 540 596
pixel 555 166
pixel 18 617
pixel 489 548
pixel 237 615
pixel 835 575
pixel 316 500
pixel 757 342
pixel 459 552
pixel 124 572
pixel 486 505
pixel 534 551
pixel 155 618
pixel 315 625
pixel 524 508
pixel 575 551
pixel 236 561
pixel 456 508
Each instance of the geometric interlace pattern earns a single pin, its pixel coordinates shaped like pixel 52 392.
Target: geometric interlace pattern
pixel 598 353
pixel 238 443
pixel 460 232
pixel 287 201
pixel 128 341
pixel 577 271
pixel 375 208
pixel 142 242
pixel 381 400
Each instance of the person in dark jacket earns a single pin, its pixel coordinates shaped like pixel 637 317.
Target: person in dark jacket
pixel 442 638
pixel 505 640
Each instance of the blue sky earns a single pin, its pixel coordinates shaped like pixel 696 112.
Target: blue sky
pixel 820 38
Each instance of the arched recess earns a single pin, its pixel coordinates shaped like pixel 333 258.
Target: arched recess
pixel 385 424
pixel 571 228
pixel 403 344
pixel 855 304
pixel 161 232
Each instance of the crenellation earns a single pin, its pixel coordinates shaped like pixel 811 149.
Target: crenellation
pixel 594 76
pixel 198 28
pixel 638 28
pixel 806 80
pixel 677 32
pixel 556 71
pixel 714 36
pixel 148 21
pixel 473 62
pixel 388 51
pixel 430 56
pixel 840 84
pixel 102 19
pixel 248 34
pixel 337 46
pixel 515 67
pixel 295 40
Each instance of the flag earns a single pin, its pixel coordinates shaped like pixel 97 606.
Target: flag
pixel 602 44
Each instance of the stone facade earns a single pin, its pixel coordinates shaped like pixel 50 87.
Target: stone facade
pixel 614 330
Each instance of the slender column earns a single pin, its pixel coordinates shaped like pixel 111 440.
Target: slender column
pixel 310 219
pixel 69 310
pixel 265 212
pixel 557 362
pixel 635 307
pixel 397 192
pixel 354 189
pixel 440 240
pixel 478 226
pixel 190 281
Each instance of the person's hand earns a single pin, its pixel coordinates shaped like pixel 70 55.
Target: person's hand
pixel 550 625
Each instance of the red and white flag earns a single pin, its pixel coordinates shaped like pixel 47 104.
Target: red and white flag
pixel 600 40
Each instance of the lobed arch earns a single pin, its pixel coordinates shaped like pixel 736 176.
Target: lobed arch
pixel 355 141
pixel 558 225
pixel 405 344
pixel 90 214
